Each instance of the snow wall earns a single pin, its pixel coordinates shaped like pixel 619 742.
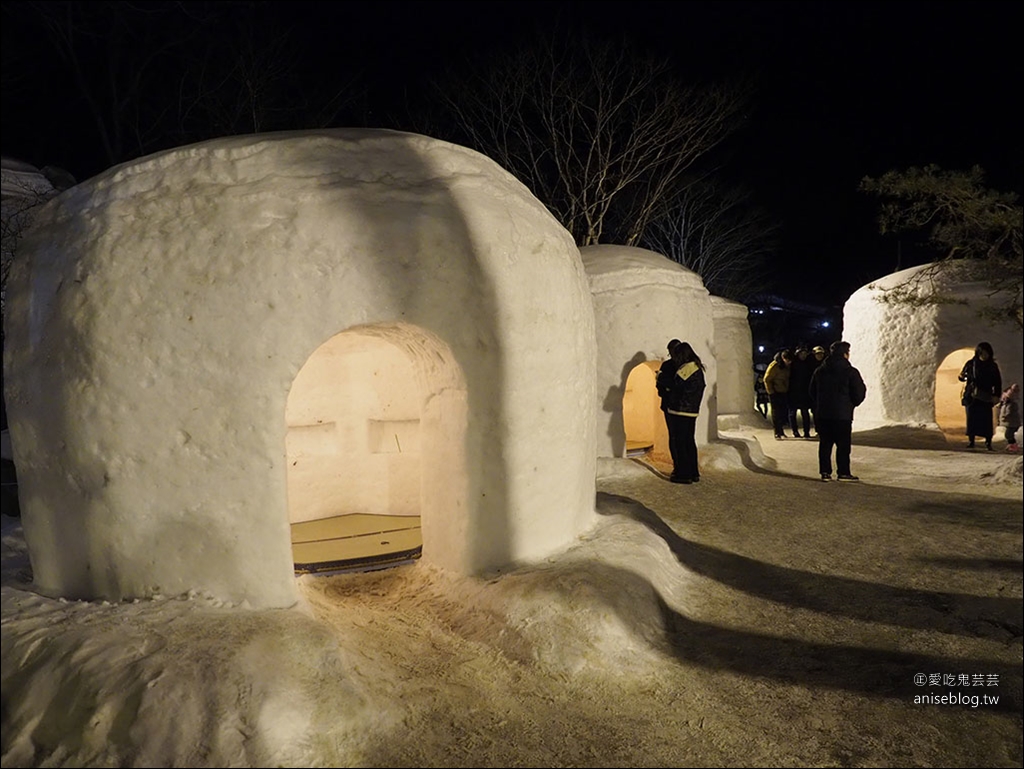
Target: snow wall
pixel 160 312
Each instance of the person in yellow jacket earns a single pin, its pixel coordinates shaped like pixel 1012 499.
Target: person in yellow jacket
pixel 682 409
pixel 776 382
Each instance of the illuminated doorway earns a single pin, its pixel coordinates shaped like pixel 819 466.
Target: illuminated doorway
pixel 642 418
pixel 357 419
pixel 949 411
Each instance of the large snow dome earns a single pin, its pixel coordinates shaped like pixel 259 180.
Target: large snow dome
pixel 910 355
pixel 642 300
pixel 396 312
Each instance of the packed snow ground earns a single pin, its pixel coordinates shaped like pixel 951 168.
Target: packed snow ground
pixel 759 618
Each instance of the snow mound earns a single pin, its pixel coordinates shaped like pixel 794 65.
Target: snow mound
pixel 1008 472
pixel 129 684
pixel 597 607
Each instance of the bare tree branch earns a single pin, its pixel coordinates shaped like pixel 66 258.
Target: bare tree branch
pixel 717 231
pixel 163 74
pixel 599 133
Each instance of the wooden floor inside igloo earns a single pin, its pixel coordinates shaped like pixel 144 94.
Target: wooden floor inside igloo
pixel 354 541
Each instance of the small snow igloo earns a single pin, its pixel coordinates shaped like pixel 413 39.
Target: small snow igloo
pixel 641 301
pixel 911 354
pixel 212 343
pixel 733 353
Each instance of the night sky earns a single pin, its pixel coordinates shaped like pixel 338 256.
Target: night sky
pixel 845 90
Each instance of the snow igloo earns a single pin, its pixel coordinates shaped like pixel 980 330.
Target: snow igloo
pixel 212 345
pixel 733 353
pixel 642 300
pixel 911 354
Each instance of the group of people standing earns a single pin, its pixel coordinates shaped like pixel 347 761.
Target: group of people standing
pixel 830 388
pixel 809 388
pixel 787 383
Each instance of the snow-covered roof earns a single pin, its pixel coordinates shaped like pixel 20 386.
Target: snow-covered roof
pixel 612 267
pixel 22 180
pixel 727 308
pixel 924 279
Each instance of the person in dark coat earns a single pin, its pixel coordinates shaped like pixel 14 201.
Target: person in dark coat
pixel 836 389
pixel 667 374
pixel 683 407
pixel 983 386
pixel 800 371
pixel 760 392
pixel 817 358
pixel 663 382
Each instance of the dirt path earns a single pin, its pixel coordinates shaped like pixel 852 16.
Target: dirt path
pixel 821 602
pixel 783 626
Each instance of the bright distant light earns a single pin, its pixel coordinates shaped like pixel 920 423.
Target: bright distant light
pixel 760 348
pixel 824 324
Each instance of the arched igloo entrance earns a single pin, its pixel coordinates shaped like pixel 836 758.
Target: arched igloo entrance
pixel 160 313
pixel 642 418
pixel 375 437
pixel 949 410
